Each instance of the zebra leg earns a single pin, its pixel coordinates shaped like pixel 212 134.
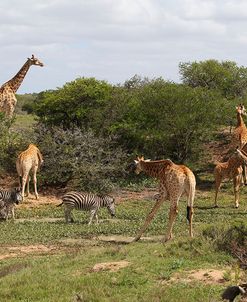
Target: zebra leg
pixel 93 212
pixel 67 214
pixel 7 213
pixel 13 212
pixel 97 218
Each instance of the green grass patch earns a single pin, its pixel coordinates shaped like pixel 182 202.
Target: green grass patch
pixel 65 273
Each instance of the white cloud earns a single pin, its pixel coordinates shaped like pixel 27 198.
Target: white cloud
pixel 113 40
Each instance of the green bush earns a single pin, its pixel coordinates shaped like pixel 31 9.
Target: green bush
pixel 80 160
pixel 11 143
pixel 229 238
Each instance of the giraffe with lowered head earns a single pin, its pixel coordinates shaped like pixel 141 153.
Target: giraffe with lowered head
pixel 174 181
pixel 29 160
pixel 7 90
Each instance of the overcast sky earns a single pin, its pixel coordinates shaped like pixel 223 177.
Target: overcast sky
pixel 113 40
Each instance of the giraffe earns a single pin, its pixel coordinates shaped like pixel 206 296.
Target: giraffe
pixel 29 160
pixel 231 169
pixel 7 90
pixel 174 181
pixel 239 137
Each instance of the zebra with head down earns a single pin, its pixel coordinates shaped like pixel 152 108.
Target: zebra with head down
pixel 86 202
pixel 8 199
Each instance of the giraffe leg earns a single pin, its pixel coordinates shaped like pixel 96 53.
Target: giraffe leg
pixel 236 186
pixel 28 182
pixel 217 187
pixel 190 219
pixel 35 182
pixel 172 216
pixel 244 175
pixel 149 218
pixel 24 181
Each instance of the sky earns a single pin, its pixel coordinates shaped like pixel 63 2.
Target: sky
pixel 113 40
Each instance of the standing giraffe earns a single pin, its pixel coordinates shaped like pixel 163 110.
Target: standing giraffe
pixel 174 181
pixel 231 169
pixel 239 138
pixel 7 90
pixel 29 160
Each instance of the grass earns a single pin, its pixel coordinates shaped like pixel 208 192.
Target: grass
pixel 64 273
pixel 24 122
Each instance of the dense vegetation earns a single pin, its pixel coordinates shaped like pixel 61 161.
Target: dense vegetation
pixel 154 117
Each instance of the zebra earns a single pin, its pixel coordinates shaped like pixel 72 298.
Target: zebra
pixel 8 199
pixel 86 202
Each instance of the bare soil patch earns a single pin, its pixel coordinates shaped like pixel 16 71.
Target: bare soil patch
pixel 110 266
pixel 20 251
pixel 208 276
pixel 32 202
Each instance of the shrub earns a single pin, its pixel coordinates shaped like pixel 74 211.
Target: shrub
pixel 11 143
pixel 232 239
pixel 79 160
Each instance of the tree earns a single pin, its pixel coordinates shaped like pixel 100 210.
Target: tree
pixel 224 76
pixel 77 103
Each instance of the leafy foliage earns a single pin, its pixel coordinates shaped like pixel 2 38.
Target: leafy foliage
pixel 75 104
pixel 155 117
pixel 10 144
pixel 79 159
pixel 224 76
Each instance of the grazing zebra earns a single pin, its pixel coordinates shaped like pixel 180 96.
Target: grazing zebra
pixel 8 199
pixel 86 202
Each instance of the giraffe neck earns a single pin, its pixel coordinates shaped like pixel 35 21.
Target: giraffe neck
pixel 240 121
pixel 154 168
pixel 16 81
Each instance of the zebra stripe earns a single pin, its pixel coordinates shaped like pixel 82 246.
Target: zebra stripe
pixel 8 198
pixel 86 202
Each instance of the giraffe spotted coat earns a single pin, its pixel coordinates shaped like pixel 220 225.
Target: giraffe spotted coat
pixel 174 181
pixel 29 161
pixel 7 90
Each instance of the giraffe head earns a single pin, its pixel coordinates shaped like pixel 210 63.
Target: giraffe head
pixel 137 163
pixel 35 61
pixel 241 109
